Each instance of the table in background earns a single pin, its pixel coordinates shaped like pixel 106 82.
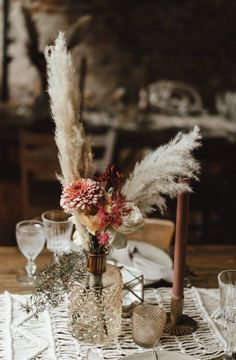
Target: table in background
pixel 213 202
pixel 204 262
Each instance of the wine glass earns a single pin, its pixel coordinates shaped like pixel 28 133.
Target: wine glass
pixel 227 286
pixel 30 239
pixel 58 230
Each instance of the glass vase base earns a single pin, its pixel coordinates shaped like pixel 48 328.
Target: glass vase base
pixel 95 354
pixel 94 312
pixel 24 279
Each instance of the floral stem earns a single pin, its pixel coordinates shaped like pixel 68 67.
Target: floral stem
pixel 99 295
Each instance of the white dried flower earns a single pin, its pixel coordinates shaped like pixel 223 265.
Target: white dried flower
pixel 132 221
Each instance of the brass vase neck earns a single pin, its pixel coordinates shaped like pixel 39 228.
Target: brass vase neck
pixel 96 263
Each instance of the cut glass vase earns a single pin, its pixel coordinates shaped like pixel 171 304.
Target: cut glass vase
pixel 95 307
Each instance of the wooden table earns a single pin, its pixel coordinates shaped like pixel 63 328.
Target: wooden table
pixel 204 263
pixel 13 262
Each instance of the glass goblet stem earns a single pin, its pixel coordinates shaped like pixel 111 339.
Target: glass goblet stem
pixel 230 341
pixel 56 257
pixel 95 353
pixel 30 267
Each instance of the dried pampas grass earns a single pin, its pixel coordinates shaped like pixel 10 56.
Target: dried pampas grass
pixel 157 175
pixel 74 149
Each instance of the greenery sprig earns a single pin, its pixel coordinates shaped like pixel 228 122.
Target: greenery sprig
pixel 53 282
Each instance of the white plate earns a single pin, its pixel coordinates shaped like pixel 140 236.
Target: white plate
pixel 148 251
pixel 149 260
pixel 162 355
pixel 152 252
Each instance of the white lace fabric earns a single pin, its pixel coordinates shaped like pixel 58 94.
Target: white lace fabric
pixel 23 337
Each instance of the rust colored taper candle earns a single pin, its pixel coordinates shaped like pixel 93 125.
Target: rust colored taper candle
pixel 177 323
pixel 181 235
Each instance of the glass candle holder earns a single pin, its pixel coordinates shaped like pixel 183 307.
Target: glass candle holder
pixel 148 324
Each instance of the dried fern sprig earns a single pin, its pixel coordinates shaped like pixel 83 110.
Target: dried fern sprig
pixel 54 281
pixel 74 148
pixel 157 175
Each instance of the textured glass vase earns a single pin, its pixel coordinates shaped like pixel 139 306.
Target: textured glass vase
pixel 95 307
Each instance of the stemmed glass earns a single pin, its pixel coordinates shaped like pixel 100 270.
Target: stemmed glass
pixel 30 239
pixel 227 285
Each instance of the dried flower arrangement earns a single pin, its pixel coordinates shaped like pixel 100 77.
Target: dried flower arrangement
pixel 104 208
pixel 107 206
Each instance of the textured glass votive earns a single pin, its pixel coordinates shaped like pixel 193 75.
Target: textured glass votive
pixel 148 324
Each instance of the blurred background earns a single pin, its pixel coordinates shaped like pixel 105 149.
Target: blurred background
pixel 147 69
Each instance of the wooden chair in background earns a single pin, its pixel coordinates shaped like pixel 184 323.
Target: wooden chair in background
pixel 40 190
pixel 157 232
pixel 103 147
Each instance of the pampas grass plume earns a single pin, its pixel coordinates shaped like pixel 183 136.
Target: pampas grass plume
pixel 74 149
pixel 157 175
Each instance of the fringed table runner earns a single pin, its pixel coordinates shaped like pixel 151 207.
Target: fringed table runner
pixel 23 337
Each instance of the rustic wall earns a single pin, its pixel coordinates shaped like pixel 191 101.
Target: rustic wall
pixel 132 43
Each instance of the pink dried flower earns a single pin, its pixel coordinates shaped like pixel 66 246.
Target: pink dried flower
pixel 111 178
pixel 81 195
pixel 103 239
pixel 119 209
pixel 111 214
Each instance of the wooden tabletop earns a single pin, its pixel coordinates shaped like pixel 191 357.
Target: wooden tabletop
pixel 204 263
pixel 12 262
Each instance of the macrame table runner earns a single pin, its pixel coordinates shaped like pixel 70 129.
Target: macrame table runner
pixel 23 337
